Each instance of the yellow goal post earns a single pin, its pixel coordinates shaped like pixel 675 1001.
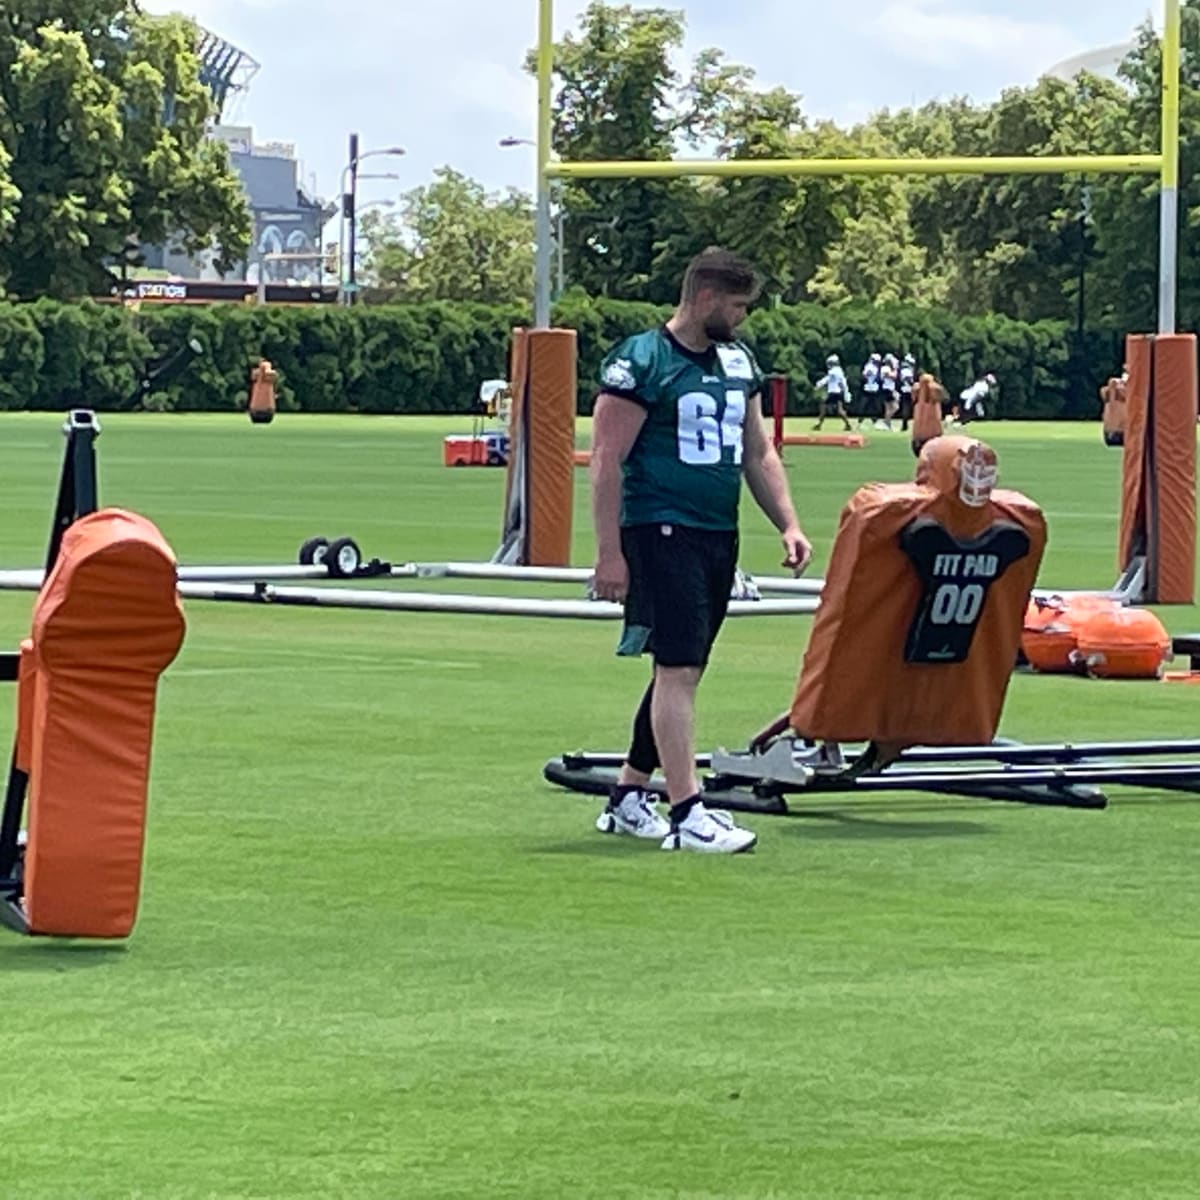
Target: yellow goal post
pixel 1165 164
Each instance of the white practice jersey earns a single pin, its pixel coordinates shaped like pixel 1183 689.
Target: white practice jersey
pixel 976 393
pixel 888 377
pixel 834 382
pixel 870 377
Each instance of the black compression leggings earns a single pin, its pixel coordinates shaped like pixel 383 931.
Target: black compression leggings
pixel 643 751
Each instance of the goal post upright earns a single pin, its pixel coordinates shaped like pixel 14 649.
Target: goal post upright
pixel 1164 164
pixel 1168 249
pixel 543 222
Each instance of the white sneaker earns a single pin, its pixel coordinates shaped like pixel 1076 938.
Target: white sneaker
pixel 709 832
pixel 635 815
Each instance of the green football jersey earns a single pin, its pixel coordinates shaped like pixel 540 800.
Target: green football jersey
pixel 686 466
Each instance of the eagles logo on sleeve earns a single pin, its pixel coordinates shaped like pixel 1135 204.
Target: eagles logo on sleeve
pixel 619 374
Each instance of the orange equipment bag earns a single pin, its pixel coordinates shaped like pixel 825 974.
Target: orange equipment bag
pixel 920 618
pixel 1050 635
pixel 107 623
pixel 1123 643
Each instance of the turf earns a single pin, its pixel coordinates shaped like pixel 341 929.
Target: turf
pixel 378 957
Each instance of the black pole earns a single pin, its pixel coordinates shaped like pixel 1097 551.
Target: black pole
pixel 77 496
pixel 10 821
pixel 350 199
pixel 77 485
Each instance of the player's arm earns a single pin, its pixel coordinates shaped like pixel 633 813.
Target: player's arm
pixel 768 485
pixel 616 423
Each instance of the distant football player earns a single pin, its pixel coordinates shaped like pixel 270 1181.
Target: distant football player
pixel 973 402
pixel 833 391
pixel 871 373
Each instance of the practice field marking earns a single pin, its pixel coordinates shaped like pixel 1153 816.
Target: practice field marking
pixel 332 658
pixel 359 668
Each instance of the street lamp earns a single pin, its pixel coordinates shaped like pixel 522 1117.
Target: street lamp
pixel 507 143
pixel 349 194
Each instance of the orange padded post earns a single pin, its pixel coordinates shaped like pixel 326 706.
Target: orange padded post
pixel 1158 492
pixel 856 682
pixel 106 625
pixel 551 430
pixel 540 488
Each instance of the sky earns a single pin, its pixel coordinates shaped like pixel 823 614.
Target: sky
pixel 444 78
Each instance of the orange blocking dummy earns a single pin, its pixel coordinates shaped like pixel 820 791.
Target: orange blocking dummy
pixel 262 393
pixel 106 625
pixel 927 411
pixel 1113 395
pixel 920 618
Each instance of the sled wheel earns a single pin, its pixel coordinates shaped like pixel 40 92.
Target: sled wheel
pixel 343 558
pixel 312 552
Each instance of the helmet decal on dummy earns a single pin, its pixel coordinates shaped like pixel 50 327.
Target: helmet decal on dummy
pixel 958 466
pixel 977 473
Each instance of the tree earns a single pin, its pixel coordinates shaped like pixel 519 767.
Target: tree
pixel 877 257
pixel 103 119
pixel 454 241
pixel 1014 244
pixel 615 99
pixel 775 222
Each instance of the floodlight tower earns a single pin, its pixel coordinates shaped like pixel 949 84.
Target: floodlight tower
pixel 224 69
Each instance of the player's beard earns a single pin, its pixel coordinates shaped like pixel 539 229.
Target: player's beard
pixel 718 329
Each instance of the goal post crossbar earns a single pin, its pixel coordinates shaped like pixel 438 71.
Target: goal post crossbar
pixel 1165 164
pixel 1110 164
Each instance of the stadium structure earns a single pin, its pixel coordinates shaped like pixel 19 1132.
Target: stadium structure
pixel 287 218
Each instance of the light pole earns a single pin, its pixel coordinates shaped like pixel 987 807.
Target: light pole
pixel 559 214
pixel 346 282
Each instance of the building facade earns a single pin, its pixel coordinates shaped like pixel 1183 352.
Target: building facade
pixel 287 219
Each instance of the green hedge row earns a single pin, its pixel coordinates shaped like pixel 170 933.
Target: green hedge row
pixel 429 358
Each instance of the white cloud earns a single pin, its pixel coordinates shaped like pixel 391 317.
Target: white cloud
pixel 939 33
pixel 446 79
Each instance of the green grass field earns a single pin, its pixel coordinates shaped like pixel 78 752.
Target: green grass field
pixel 378 957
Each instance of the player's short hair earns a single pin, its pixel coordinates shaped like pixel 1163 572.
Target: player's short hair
pixel 723 271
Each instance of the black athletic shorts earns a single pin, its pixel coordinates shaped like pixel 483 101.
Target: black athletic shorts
pixel 679 584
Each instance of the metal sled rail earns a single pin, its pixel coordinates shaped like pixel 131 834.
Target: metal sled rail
pixel 1059 774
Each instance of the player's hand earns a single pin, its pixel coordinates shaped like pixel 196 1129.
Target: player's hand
pixel 797 550
pixel 610 580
